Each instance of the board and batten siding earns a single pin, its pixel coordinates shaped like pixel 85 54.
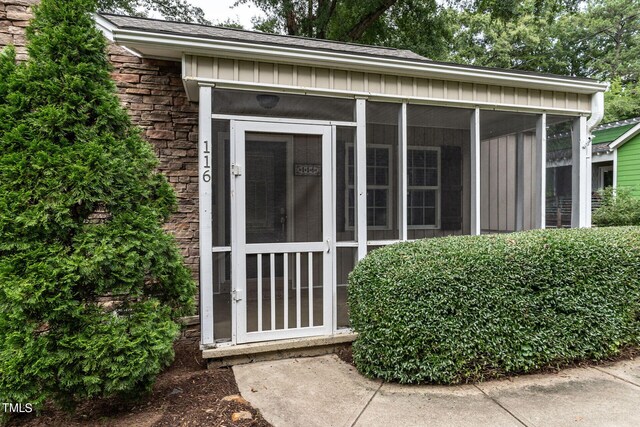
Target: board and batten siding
pixel 229 71
pixel 629 165
pixel 498 183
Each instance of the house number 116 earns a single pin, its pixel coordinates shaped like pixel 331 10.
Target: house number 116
pixel 206 175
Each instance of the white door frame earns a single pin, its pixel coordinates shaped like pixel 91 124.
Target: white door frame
pixel 601 171
pixel 241 249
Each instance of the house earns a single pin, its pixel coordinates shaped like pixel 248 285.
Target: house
pixel 310 153
pixel 615 162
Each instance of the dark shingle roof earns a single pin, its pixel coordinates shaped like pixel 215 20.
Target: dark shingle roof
pixel 233 34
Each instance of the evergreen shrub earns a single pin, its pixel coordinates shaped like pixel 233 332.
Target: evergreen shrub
pixel 90 283
pixel 467 308
pixel 618 207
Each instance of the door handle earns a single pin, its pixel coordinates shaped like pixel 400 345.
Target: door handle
pixel 328 243
pixel 283 219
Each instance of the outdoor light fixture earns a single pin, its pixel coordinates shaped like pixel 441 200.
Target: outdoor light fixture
pixel 268 101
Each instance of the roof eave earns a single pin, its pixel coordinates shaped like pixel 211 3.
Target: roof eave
pixel 137 40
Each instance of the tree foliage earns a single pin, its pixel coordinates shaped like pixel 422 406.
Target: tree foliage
pixel 613 28
pixel 172 10
pixel 583 38
pixel 90 283
pixel 622 101
pixel 401 23
pixel 599 40
pixel 407 24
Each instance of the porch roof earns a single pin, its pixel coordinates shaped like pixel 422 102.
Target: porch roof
pixel 223 33
pixel 174 40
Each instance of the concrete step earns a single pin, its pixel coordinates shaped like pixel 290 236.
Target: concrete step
pixel 230 355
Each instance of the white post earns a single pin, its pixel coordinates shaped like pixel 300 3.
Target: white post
pixel 402 162
pixel 361 176
pixel 615 168
pixel 205 217
pixel 475 172
pixel 541 171
pixel 333 256
pixel 519 181
pixel 581 174
pixel 588 177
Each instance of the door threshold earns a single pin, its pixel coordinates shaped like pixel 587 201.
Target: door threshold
pixel 275 350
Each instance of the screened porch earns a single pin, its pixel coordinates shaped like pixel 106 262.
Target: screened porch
pixel 302 187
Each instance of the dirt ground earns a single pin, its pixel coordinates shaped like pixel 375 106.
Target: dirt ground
pixel 187 394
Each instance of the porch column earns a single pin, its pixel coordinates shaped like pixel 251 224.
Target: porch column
pixel 539 220
pixel 361 176
pixel 581 174
pixel 519 181
pixel 615 168
pixel 205 217
pixel 402 156
pixel 475 172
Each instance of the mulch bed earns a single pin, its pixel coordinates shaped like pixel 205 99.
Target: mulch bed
pixel 186 394
pixel 345 354
pixel 189 394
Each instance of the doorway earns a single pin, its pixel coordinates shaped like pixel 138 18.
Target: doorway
pixel 281 233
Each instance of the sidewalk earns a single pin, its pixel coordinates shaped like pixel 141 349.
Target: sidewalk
pixel 324 391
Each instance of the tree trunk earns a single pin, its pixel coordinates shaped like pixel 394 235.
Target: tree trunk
pixel 356 32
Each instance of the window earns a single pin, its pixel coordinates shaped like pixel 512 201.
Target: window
pixel 379 170
pixel 423 187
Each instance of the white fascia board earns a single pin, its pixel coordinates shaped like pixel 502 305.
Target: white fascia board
pixel 208 47
pixel 105 26
pixel 627 136
pixel 107 29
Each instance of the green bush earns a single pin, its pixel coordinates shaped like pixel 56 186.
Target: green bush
pixel 90 283
pixel 468 308
pixel 618 208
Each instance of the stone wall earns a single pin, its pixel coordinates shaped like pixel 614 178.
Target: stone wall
pixel 14 18
pixel 153 95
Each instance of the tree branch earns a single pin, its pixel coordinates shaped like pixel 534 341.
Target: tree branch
pixel 325 17
pixel 356 32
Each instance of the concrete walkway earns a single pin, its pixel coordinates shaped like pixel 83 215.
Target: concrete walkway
pixel 324 391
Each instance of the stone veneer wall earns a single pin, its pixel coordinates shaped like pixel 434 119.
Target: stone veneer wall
pixel 14 18
pixel 153 94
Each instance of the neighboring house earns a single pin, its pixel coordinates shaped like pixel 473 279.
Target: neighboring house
pixel 616 155
pixel 615 162
pixel 310 153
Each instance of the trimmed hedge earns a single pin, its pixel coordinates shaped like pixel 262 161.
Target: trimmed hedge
pixel 468 308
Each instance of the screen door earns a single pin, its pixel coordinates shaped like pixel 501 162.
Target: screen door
pixel 282 227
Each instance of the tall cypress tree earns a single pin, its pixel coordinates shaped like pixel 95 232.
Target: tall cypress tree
pixel 90 283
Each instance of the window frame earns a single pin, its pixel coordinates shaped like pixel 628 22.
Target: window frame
pixel 352 187
pixel 437 188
